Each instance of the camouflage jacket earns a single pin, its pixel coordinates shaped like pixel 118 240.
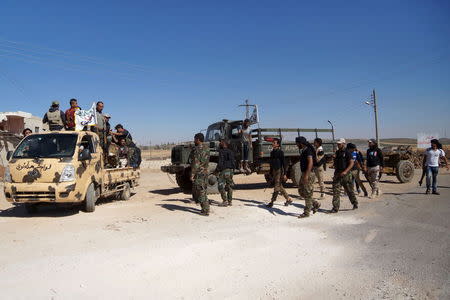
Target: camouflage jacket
pixel 199 159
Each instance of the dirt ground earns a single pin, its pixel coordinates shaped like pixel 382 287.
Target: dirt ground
pixel 156 245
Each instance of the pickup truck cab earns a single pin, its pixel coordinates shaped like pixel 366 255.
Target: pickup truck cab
pixel 65 167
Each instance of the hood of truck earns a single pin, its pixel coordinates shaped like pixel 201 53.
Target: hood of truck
pixel 46 170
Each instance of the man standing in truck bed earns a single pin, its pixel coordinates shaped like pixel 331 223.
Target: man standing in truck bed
pixel 199 159
pixel 55 118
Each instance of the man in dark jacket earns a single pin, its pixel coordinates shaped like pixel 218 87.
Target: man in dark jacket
pixel 278 172
pixel 55 118
pixel 343 163
pixel 374 167
pixel 225 170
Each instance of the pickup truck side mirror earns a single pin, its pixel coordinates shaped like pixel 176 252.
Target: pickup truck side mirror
pixel 84 155
pixel 9 155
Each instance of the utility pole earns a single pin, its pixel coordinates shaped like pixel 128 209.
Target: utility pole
pixel 247 108
pixel 373 103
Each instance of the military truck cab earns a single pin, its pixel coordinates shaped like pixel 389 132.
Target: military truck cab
pixel 61 168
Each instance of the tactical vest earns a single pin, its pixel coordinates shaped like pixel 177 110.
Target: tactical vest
pixel 54 118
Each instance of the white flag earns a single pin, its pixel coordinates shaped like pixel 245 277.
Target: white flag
pixel 85 118
pixel 254 118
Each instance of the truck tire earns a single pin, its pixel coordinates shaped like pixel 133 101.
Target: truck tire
pixel 126 192
pixel 405 171
pixel 31 208
pixel 184 181
pixel 91 198
pixel 296 173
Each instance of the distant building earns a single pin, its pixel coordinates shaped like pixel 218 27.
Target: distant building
pixel 16 122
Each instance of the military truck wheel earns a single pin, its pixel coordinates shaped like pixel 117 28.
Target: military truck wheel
pixel 184 181
pixel 31 208
pixel 126 192
pixel 405 171
pixel 296 173
pixel 91 198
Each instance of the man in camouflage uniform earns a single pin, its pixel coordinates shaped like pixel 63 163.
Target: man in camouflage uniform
pixel 225 170
pixel 306 184
pixel 199 159
pixel 278 172
pixel 343 163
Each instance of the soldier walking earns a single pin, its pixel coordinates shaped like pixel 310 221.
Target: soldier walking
pixel 319 170
pixel 343 163
pixel 278 172
pixel 55 118
pixel 225 168
pixel 199 159
pixel 374 167
pixel 357 167
pixel 306 184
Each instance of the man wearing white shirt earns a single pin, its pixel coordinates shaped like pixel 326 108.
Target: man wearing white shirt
pixel 431 162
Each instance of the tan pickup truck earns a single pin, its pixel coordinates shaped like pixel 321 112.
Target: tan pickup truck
pixel 64 167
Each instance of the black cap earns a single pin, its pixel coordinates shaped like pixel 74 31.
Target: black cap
pixel 301 140
pixel 351 146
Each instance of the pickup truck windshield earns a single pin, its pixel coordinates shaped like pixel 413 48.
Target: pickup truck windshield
pixel 47 146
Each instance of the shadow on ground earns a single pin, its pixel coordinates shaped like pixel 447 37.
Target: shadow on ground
pixel 49 210
pixel 166 192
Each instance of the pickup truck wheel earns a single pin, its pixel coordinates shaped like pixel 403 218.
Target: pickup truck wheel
pixel 91 198
pixel 126 192
pixel 31 208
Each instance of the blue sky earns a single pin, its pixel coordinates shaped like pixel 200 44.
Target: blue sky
pixel 166 69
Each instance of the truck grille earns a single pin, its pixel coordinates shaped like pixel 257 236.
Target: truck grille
pixel 33 196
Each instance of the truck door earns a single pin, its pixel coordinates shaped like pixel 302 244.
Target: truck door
pixel 90 170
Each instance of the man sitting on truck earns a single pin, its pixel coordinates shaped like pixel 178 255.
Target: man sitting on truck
pixel 123 154
pixel 278 172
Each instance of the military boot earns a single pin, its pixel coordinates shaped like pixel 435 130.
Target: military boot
pixel 229 203
pixel 316 206
pixel 224 203
pixel 303 215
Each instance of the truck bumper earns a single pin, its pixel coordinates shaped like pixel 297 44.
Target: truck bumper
pixel 66 192
pixel 173 169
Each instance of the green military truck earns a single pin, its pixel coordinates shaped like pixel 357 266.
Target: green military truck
pixel 259 156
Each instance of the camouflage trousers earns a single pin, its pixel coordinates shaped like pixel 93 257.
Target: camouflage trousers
pixel 347 183
pixel 373 175
pixel 319 175
pixel 225 184
pixel 278 185
pixel 306 191
pixel 199 188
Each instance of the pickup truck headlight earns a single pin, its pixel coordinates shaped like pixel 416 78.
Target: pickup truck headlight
pixel 68 174
pixel 7 175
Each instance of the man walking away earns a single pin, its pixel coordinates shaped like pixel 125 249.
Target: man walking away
pixel 306 184
pixel 199 159
pixel 225 169
pixel 374 167
pixel 319 170
pixel 431 162
pixel 357 167
pixel 55 118
pixel 278 172
pixel 343 163
pixel 70 114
